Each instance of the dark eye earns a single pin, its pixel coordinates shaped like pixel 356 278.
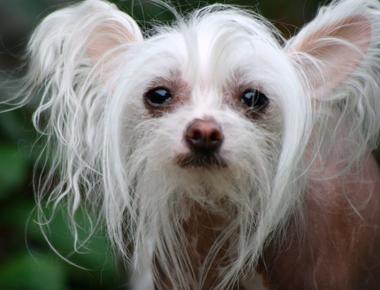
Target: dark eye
pixel 158 97
pixel 254 99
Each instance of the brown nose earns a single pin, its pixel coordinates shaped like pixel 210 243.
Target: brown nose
pixel 204 136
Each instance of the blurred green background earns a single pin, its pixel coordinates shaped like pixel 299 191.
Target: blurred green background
pixel 26 260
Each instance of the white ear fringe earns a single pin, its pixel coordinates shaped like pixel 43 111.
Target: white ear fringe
pixel 72 104
pixel 352 111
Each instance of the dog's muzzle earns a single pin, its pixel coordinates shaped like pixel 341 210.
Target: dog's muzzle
pixel 204 138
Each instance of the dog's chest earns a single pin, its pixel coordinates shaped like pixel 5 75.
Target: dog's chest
pixel 203 229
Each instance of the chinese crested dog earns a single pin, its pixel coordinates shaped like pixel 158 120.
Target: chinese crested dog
pixel 219 154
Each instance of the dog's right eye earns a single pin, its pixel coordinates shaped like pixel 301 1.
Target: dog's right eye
pixel 158 97
pixel 254 99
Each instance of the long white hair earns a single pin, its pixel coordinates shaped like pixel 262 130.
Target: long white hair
pixel 91 65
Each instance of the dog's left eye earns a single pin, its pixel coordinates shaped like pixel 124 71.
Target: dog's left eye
pixel 158 97
pixel 254 99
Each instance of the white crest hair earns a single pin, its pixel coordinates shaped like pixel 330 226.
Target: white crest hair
pixel 91 62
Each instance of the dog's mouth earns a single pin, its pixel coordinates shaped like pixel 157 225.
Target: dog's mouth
pixel 196 160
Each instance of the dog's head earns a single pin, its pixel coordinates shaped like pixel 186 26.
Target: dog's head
pixel 217 109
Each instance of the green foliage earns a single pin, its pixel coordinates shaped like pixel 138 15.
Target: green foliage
pixel 27 262
pixel 33 272
pixel 13 169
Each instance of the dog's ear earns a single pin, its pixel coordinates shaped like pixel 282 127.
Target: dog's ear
pixel 90 31
pixel 69 54
pixel 340 44
pixel 337 56
pixel 111 32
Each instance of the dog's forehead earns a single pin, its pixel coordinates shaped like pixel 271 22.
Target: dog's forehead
pixel 217 42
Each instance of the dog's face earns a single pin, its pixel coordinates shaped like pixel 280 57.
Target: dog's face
pixel 204 110
pixel 217 110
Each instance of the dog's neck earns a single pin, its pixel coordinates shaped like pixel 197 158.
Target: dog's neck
pixel 202 229
pixel 334 213
pixel 339 237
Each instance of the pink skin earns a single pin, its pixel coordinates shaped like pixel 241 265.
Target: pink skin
pixel 335 242
pixel 339 246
